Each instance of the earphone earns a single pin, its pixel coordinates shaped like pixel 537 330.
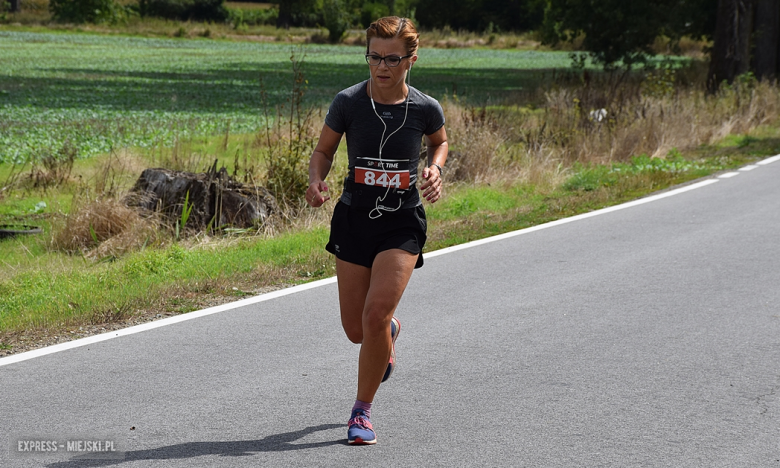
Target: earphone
pixel 382 142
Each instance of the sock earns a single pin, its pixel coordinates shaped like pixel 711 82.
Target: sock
pixel 366 407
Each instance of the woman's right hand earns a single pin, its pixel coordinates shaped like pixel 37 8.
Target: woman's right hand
pixel 314 195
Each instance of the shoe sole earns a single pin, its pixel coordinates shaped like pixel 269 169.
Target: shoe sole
pixel 392 364
pixel 360 441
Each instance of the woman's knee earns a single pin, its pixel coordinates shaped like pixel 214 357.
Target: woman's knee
pixel 354 333
pixel 376 319
pixel 353 328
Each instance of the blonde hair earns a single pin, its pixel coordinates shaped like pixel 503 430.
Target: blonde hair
pixel 391 27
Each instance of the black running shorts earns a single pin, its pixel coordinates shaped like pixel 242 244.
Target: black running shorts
pixel 356 238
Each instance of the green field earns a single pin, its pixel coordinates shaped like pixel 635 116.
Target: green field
pixel 100 92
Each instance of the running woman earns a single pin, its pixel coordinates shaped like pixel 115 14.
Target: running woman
pixel 378 228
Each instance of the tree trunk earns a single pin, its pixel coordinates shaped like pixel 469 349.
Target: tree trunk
pixel 284 18
pixel 15 6
pixel 731 51
pixel 767 35
pixel 215 198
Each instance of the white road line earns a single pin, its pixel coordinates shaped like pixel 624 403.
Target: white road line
pixel 748 168
pixel 728 175
pixel 769 160
pixel 161 323
pixel 315 284
pixel 572 219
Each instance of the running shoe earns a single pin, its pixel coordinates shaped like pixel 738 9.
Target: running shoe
pixel 360 431
pixel 395 330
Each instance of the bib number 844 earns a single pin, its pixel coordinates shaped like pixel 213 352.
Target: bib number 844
pixel 398 180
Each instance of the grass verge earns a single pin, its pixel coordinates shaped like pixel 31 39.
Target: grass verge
pixel 45 304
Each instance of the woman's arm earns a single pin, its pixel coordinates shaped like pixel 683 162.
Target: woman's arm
pixel 320 164
pixel 438 149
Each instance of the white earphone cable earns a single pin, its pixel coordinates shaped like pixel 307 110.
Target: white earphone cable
pixel 382 142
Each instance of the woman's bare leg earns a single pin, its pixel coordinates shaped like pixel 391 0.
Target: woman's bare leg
pixel 368 300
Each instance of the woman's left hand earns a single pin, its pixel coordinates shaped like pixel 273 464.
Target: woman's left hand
pixel 431 188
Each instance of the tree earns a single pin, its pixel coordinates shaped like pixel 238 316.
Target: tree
pixel 619 32
pixel 613 31
pixel 405 8
pixel 692 18
pixel 295 12
pixel 84 11
pixel 746 39
pixel 336 19
pixel 479 15
pixel 767 37
pixel 197 10
pixel 731 50
pixel 15 6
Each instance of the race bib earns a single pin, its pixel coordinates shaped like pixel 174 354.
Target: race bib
pixel 384 173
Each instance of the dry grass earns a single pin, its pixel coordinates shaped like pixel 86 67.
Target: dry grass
pixel 249 6
pixel 104 228
pixel 686 47
pixel 51 169
pixel 649 115
pixel 478 140
pixel 447 38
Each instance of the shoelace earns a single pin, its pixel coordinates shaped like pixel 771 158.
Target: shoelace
pixel 361 421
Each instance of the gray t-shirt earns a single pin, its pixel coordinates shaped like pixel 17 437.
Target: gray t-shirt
pixel 369 175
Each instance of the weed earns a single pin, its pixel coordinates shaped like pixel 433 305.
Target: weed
pixel 185 214
pixel 589 178
pixel 53 169
pixel 660 83
pixel 289 140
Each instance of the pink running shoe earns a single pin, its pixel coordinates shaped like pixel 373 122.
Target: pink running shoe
pixel 395 330
pixel 360 430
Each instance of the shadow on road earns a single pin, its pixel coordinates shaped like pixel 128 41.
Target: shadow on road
pixel 273 443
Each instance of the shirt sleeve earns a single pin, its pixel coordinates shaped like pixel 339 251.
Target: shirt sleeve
pixel 434 116
pixel 334 119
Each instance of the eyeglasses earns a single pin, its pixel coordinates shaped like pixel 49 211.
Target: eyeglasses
pixel 390 60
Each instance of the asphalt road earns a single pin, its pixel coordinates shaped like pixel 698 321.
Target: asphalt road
pixel 642 336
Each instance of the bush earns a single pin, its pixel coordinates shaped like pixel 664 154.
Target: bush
pixel 86 11
pixel 335 18
pixel 373 11
pixel 5 7
pixel 238 17
pixel 198 10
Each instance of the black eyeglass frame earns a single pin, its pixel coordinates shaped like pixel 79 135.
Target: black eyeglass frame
pixel 400 59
